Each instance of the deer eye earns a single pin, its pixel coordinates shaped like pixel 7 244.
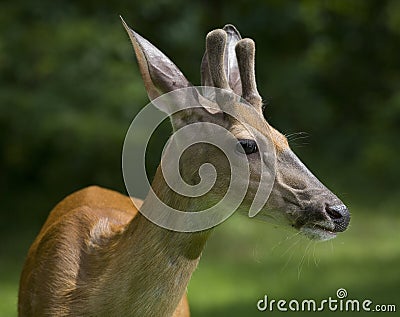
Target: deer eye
pixel 247 146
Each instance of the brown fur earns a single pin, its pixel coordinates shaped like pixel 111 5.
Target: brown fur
pixel 60 261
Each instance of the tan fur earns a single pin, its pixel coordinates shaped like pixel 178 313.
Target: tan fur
pixel 71 238
pixel 279 140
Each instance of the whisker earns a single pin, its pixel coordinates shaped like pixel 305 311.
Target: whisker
pixel 300 267
pixel 295 135
pixel 290 256
pixel 289 237
pixel 316 262
pixel 299 145
pixel 298 138
pixel 292 245
pixel 256 255
pixel 293 139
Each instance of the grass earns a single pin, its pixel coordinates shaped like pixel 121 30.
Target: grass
pixel 245 260
pixel 12 253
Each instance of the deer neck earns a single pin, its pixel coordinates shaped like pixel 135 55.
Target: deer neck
pixel 156 263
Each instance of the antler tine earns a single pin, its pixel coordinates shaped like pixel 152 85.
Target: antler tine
pixel 215 46
pixel 245 53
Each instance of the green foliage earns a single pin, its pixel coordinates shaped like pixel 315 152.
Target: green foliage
pixel 69 87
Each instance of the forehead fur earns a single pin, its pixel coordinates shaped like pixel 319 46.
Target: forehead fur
pixel 257 121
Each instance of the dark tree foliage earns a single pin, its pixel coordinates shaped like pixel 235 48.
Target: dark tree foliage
pixel 69 87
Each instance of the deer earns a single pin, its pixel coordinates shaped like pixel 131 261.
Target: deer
pixel 98 255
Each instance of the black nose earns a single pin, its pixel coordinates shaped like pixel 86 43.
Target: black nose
pixel 340 216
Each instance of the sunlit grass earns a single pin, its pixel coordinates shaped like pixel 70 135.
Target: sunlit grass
pixel 9 275
pixel 245 260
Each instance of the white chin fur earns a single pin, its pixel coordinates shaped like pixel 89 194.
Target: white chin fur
pixel 316 233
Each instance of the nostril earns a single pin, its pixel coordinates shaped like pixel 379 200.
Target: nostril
pixel 340 216
pixel 334 212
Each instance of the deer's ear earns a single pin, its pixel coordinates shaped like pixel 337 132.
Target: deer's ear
pixel 230 62
pixel 159 73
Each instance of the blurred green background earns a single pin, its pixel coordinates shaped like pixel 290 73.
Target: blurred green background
pixel 70 86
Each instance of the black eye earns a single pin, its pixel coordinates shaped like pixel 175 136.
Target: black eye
pixel 247 147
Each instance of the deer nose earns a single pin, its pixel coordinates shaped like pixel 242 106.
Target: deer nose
pixel 340 216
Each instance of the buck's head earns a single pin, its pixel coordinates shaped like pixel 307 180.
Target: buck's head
pixel 293 195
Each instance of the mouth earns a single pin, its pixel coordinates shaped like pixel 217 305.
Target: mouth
pixel 318 231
